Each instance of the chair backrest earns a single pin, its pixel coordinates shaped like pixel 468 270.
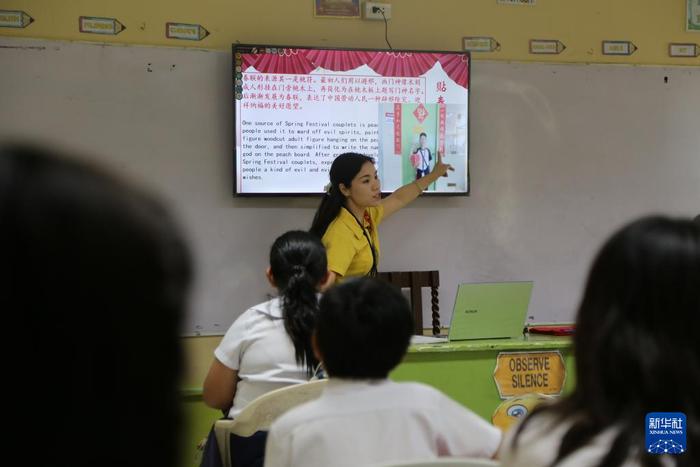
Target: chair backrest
pixel 445 462
pixel 261 412
pixel 415 280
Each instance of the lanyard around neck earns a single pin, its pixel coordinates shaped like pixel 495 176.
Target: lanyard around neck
pixel 373 271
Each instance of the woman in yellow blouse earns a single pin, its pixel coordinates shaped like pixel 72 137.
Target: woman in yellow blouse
pixel 352 208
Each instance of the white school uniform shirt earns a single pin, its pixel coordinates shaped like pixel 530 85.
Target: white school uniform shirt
pixel 258 347
pixel 423 158
pixel 539 442
pixel 358 423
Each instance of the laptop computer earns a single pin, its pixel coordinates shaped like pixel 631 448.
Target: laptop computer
pixel 490 310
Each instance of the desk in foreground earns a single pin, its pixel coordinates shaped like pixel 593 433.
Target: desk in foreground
pixel 465 370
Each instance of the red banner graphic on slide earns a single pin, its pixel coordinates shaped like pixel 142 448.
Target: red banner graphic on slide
pixel 397 129
pixel 442 117
pixel 390 64
pixel 421 113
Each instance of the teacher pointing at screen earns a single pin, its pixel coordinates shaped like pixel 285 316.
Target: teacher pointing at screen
pixel 352 208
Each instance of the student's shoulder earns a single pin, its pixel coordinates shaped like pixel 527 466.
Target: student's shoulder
pixel 421 394
pixel 427 398
pixel 271 308
pixel 262 312
pixel 298 416
pixel 418 388
pixel 541 427
pixel 535 441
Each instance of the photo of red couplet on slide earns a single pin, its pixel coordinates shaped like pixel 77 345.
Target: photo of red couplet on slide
pixel 297 109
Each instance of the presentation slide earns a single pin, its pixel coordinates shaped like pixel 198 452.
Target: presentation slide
pixel 296 109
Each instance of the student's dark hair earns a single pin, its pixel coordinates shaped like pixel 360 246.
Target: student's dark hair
pixel 636 345
pixel 344 168
pixel 422 134
pixel 94 281
pixel 298 264
pixel 697 219
pixel 364 328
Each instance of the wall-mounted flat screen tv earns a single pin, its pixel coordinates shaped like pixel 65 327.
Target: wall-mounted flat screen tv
pixel 297 108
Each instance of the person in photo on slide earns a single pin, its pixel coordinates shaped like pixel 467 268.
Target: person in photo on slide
pixel 421 157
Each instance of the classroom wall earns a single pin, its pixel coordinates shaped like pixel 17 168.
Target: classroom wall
pixel 437 24
pixel 561 155
pixel 415 24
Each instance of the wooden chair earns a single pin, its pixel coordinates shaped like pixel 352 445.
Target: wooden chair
pixel 415 280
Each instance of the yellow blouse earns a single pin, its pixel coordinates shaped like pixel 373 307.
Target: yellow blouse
pixel 347 248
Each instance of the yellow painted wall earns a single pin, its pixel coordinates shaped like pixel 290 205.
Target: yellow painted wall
pixel 416 24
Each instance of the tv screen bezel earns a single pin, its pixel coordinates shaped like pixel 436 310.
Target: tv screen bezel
pixel 359 49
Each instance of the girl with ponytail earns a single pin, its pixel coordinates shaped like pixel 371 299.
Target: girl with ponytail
pixel 352 208
pixel 269 345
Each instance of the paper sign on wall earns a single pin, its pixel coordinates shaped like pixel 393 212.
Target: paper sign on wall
pixel 546 46
pixel 480 44
pixel 14 19
pixel 683 50
pixel 618 48
pixel 188 32
pixel 93 25
pixel 519 373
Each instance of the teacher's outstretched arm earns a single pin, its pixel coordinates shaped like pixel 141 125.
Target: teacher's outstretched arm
pixel 409 192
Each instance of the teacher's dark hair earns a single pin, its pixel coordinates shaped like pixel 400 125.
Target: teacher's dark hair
pixel 364 328
pixel 298 265
pixel 344 168
pixel 636 345
pixel 94 281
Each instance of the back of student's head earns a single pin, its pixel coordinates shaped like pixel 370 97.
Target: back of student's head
pixel 93 284
pixel 636 344
pixel 364 328
pixel 298 265
pixel 640 311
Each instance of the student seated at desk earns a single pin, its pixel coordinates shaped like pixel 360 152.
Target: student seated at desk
pixel 94 280
pixel 637 351
pixel 269 345
pixel 363 331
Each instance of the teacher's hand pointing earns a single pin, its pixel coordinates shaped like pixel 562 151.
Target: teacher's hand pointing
pixel 440 167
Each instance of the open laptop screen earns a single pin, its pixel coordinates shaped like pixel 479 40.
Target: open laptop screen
pixel 490 310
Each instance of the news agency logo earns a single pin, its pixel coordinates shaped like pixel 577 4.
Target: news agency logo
pixel 665 432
